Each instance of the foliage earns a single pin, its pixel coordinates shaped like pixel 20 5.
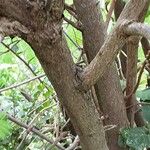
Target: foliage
pixel 5 128
pixel 144 95
pixel 136 138
pixel 34 100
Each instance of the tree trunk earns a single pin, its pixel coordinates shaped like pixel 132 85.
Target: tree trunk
pixel 43 31
pixel 57 63
pixel 108 88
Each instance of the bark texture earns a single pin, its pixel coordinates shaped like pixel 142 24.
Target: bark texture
pixel 50 47
pixel 108 90
pixel 41 27
pixel 56 60
pixel 132 46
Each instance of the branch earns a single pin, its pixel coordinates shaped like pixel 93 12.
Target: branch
pixel 37 132
pixel 131 74
pixel 30 126
pixel 138 29
pixel 108 17
pixel 145 45
pixel 75 25
pixel 139 77
pixel 113 43
pixel 119 5
pixel 71 10
pixel 106 55
pixel 74 144
pixel 25 63
pixel 70 7
pixel 22 83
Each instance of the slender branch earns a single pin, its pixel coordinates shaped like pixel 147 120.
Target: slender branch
pixel 138 29
pixel 139 77
pixel 67 7
pixel 22 83
pixel 37 132
pixel 4 52
pixel 145 45
pixel 109 14
pixel 109 127
pixel 73 42
pixel 25 63
pixel 30 126
pixel 113 43
pixel 143 103
pixel 71 10
pixel 73 24
pixel 118 61
pixel 74 144
pixel 131 74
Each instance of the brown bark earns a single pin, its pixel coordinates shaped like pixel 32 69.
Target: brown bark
pixel 50 47
pixel 58 66
pixel 132 47
pixel 145 45
pixel 108 90
pixel 45 27
pixel 113 43
pixel 119 5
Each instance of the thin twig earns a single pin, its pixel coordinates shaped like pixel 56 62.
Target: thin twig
pixel 139 77
pixel 65 125
pixel 120 68
pixel 109 127
pixel 22 83
pixel 109 14
pixel 79 48
pixel 37 132
pixel 75 25
pixel 139 103
pixel 1 53
pixel 71 10
pixel 30 126
pixel 74 144
pixel 26 64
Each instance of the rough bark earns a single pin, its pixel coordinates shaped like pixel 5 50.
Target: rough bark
pixel 119 5
pixel 50 47
pixel 59 68
pixel 145 45
pixel 132 46
pixel 133 112
pixel 113 43
pixel 58 65
pixel 108 90
pixel 45 27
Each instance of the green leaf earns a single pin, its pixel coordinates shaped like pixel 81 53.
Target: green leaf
pixel 146 112
pixel 144 95
pixel 5 127
pixel 136 138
